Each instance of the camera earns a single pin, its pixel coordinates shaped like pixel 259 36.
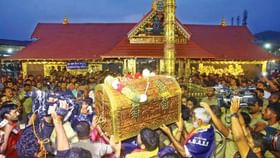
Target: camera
pixel 224 96
pixel 271 141
pixel 45 103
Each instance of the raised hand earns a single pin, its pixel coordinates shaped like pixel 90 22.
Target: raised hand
pixel 205 106
pixel 63 104
pixel 165 129
pixel 56 118
pixel 94 122
pixel 116 146
pixel 235 105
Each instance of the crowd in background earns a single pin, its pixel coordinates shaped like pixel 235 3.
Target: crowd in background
pixel 206 127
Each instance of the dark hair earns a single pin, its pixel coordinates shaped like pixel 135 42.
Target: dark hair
pixel 261 82
pixel 246 117
pixel 276 93
pixel 30 76
pixel 149 138
pixel 6 108
pixel 170 155
pixel 27 80
pixel 183 86
pixel 259 101
pixel 260 90
pixel 5 89
pixel 9 81
pixel 166 152
pixel 76 152
pixel 275 108
pixel 193 100
pixel 88 101
pixel 186 113
pixel 82 129
pixel 27 85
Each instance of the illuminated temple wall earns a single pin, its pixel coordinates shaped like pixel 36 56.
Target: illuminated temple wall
pixel 43 67
pixel 249 68
pixel 183 67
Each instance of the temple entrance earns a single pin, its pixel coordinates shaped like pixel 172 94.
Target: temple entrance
pixel 113 67
pixel 151 64
pixel 35 69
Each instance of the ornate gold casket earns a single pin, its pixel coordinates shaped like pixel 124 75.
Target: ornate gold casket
pixel 124 117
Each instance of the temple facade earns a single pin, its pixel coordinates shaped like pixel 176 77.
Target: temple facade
pixel 159 42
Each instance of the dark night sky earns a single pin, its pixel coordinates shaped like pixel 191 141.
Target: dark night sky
pixel 18 18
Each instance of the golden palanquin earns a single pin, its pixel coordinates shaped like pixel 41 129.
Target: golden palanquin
pixel 124 118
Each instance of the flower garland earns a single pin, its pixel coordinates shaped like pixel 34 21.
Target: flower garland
pixel 125 90
pixel 129 92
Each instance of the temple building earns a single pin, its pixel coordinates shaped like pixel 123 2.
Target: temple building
pixel 159 42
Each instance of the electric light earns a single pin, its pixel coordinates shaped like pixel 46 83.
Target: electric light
pixel 264 73
pixel 9 50
pixel 267 46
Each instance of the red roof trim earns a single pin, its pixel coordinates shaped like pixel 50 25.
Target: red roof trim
pixel 107 40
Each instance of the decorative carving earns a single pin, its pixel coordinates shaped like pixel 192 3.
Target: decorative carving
pixel 151 28
pixel 169 42
pixel 135 112
pixel 235 69
pixel 103 108
pixel 125 118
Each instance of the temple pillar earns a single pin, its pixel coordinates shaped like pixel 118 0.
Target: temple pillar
pixel 180 68
pixel 169 34
pixel 131 66
pixel 264 66
pixel 125 66
pixel 24 69
pixel 188 68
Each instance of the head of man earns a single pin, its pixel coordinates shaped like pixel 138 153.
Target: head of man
pixel 184 90
pixel 9 112
pixel 148 139
pixel 184 101
pixel 234 82
pixel 63 85
pixel 244 83
pixel 31 77
pixel 272 113
pixel 256 106
pixel 83 130
pixel 260 92
pixel 28 81
pixel 8 92
pixel 191 103
pixel 19 81
pixel 274 98
pixel 171 155
pixel 210 92
pixel 10 84
pixel 201 117
pixel 261 85
pixel 27 87
pixel 77 152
